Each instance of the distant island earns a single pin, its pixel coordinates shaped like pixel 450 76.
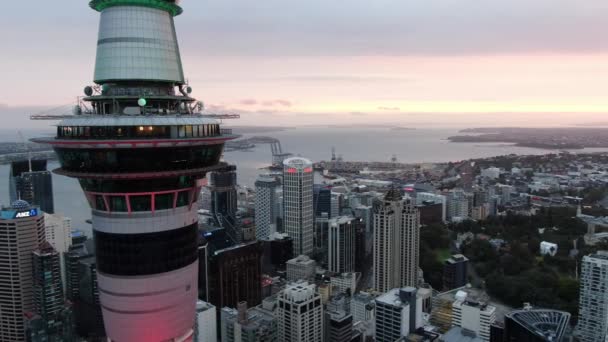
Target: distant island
pixel 402 129
pixel 561 138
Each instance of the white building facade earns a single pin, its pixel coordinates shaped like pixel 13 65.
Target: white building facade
pixel 473 315
pixel 300 314
pixel 298 213
pixel 593 303
pixel 205 329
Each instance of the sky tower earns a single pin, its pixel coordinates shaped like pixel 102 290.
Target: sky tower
pixel 140 149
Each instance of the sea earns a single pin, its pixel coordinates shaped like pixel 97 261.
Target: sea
pixel 315 143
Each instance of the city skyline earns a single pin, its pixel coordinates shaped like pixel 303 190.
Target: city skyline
pixel 389 61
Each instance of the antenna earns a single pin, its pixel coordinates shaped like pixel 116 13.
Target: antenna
pixel 29 152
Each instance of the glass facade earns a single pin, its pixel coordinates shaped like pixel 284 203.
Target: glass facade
pixel 138 132
pixel 137 43
pixel 142 254
pixel 140 160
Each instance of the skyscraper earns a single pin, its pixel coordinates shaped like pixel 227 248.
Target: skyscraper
pixel 298 214
pixel 341 245
pixel 48 290
pixel 593 302
pixel 21 233
pixel 396 242
pixel 222 189
pixel 300 314
pixel 31 182
pixel 206 322
pixel 140 149
pixel 266 198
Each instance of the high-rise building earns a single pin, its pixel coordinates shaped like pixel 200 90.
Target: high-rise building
pixel 21 233
pixel 58 232
pixel 455 272
pixel 593 303
pixel 535 325
pixel 396 242
pixel 205 329
pixel 473 314
pixel 300 314
pixel 87 307
pixel 248 325
pixel 31 182
pixel 298 212
pixel 301 268
pixel 49 304
pixel 398 312
pixel 234 275
pixel 430 199
pixel 341 245
pixel 140 149
pixel 277 251
pixel 322 200
pixel 222 188
pixel 266 214
pixel 458 205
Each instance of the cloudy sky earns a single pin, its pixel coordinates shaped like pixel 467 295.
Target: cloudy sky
pixel 468 61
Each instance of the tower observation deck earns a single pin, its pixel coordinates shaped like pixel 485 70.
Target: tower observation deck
pixel 140 153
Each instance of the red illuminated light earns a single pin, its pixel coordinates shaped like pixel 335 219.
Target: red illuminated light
pixel 308 170
pixel 292 170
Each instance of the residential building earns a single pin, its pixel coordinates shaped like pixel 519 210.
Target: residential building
pixel 396 242
pixel 593 303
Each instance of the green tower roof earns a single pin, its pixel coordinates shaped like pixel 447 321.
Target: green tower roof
pixel 165 5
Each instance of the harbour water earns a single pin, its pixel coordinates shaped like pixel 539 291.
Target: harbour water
pixel 356 144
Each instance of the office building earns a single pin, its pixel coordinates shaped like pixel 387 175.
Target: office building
pixel 30 181
pixel 362 307
pixel 322 200
pixel 300 314
pixel 21 233
pixel 205 328
pixel 398 312
pixel 341 245
pixel 87 307
pixel 248 325
pixel 473 314
pixel 266 198
pixel 223 200
pixel 338 326
pixel 50 315
pixel 278 250
pixel 593 303
pixel 141 149
pixel 428 198
pixel 301 268
pixel 234 275
pixel 535 325
pixel 455 272
pixel 396 242
pixel 344 282
pixel 298 214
